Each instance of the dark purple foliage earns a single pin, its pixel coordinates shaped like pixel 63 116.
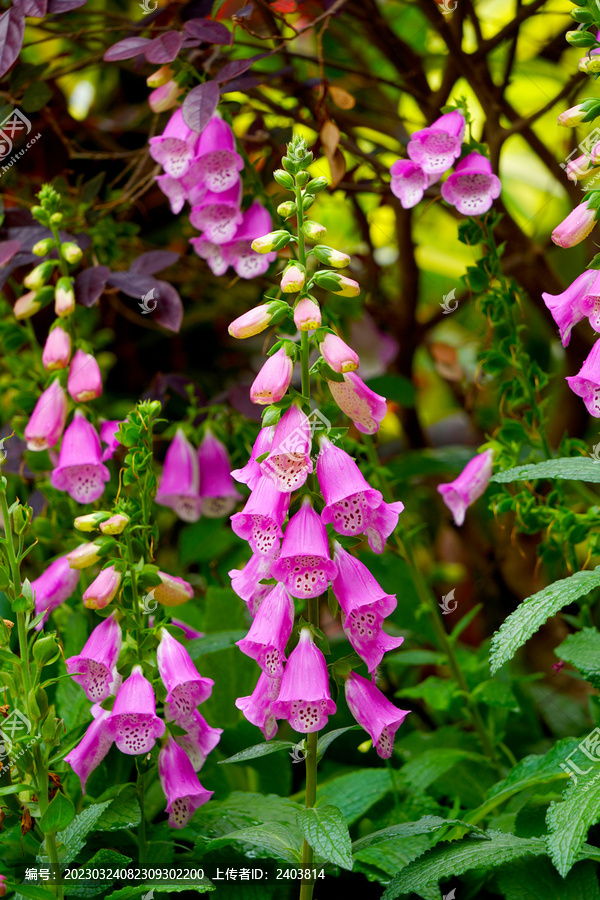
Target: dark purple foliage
pixel 8 250
pixel 163 49
pixel 153 261
pixel 200 105
pixel 127 48
pixel 12 28
pixel 208 31
pixel 90 284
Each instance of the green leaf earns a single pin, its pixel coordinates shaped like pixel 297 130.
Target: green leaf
pixel 461 856
pixel 34 892
pixel 272 840
pixel 582 650
pixel 72 839
pixel 576 468
pixel 103 859
pixel 326 831
pixel 326 739
pixel 535 770
pixel 537 879
pixel 242 809
pixel 36 96
pixel 495 693
pixel 426 768
pixel 124 810
pixel 438 693
pixel 59 813
pixel 258 750
pixel 356 792
pixel 568 821
pixel 535 610
pixel 213 642
pixel 407 829
pixel 394 387
pixel 127 893
pixel 15 789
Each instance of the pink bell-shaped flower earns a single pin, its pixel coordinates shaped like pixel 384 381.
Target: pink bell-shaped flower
pixel 176 147
pixel 85 381
pixel 338 354
pixel 218 214
pixel 261 519
pixel 273 380
pixel 307 314
pixel 374 712
pixel 109 430
pixel 270 631
pixel 174 190
pixel 258 707
pixel 57 349
pixel 47 421
pixel 581 299
pixel 103 588
pixel 186 688
pixel 218 495
pixel 199 740
pixel 180 784
pixel 53 587
pixel 469 486
pixel 435 148
pixel 304 565
pixel 238 252
pixel 92 748
pixel 246 582
pixel 472 187
pixel 251 473
pixel 360 403
pixel 304 698
pixel 288 465
pixel 575 228
pixel 94 668
pixel 179 487
pixel 133 722
pixel 586 384
pixel 217 163
pixel 172 590
pixel 80 471
pixel 409 182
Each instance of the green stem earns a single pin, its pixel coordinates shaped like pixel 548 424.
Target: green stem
pixel 137 611
pixel 142 825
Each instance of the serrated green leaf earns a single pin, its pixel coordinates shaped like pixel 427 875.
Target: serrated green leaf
pixel 272 840
pixel 72 839
pixel 535 770
pixel 425 825
pixel 426 768
pixel 127 893
pixel 495 693
pixel 570 819
pixel 582 650
pixel 15 789
pixel 326 739
pixel 124 810
pixel 356 792
pixel 537 879
pixel 438 693
pixel 535 610
pixel 326 831
pixel 103 859
pixel 576 468
pixel 34 892
pixel 242 809
pixel 59 813
pixel 258 750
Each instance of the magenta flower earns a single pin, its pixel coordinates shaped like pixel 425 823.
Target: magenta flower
pixel 349 498
pixel 180 784
pixel 261 519
pixel 435 148
pixel 575 228
pixel 258 707
pixel 469 486
pixel 109 430
pixel 176 147
pixel 57 349
pixel 360 403
pixel 304 698
pixel 273 380
pixel 374 712
pixel 218 495
pixel 246 582
pixel 186 688
pixel 383 521
pixel 251 473
pixel 338 354
pixel 53 587
pixel 85 381
pixel 409 182
pixel 586 384
pixel 92 748
pixel 270 631
pixel 238 252
pixel 304 564
pixel 80 470
pixel 47 421
pixel 218 214
pixel 94 668
pixel 472 187
pixel 133 723
pixel 581 299
pixel 199 740
pixel 307 314
pixel 103 589
pixel 174 190
pixel 217 163
pixel 289 464
pixel 179 487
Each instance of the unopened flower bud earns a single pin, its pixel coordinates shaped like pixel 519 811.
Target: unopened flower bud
pixel 87 554
pixel 339 284
pixel 313 230
pixel 307 314
pixel 160 77
pixel 331 257
pixel 164 97
pixel 56 218
pixel 22 518
pixel 45 650
pixel 172 591
pixel 287 209
pixel 580 38
pixel 293 279
pixel 583 112
pixel 43 247
pixel 72 252
pixel 302 178
pixel 26 306
pixel 284 179
pixel 256 320
pixel 307 201
pixel 581 14
pixel 103 589
pixel 38 277
pixel 590 64
pixel 316 185
pixel 57 349
pixel 338 354
pixel 64 297
pixel 115 524
pixel 290 165
pixel 91 521
pixel 275 240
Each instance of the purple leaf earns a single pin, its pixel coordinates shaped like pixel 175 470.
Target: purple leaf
pixel 246 12
pixel 90 283
pixel 27 235
pixel 19 259
pixel 15 216
pixel 237 67
pixel 200 104
pixel 153 261
pixel 208 31
pixel 12 28
pixel 169 312
pixel 126 49
pixel 133 284
pixel 35 8
pixel 8 250
pixel 241 84
pixel 164 49
pixel 62 6
pixel 189 42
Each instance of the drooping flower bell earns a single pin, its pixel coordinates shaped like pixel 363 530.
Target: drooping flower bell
pixel 103 588
pixel 270 631
pixel 172 590
pixel 575 228
pixel 109 430
pixel 261 519
pixel 469 486
pixel 273 380
pixel 359 402
pixel 180 784
pixel 251 473
pixel 133 723
pixel 374 712
pixel 80 470
pixel 175 191
pixel 409 182
pixel 304 565
pixel 199 739
pixel 217 162
pixel 238 252
pixel 307 314
pixel 94 667
pixel 256 320
pixel 218 495
pixel 164 97
pixel 218 215
pixel 581 299
pixel 85 380
pixel 304 698
pixel 472 187
pixel 338 354
pixel 53 587
pixel 246 582
pixel 186 688
pixel 258 706
pixel 289 464
pixel 179 487
pixel 176 147
pixel 92 748
pixel 586 384
pixel 57 349
pixel 436 147
pixel 47 421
